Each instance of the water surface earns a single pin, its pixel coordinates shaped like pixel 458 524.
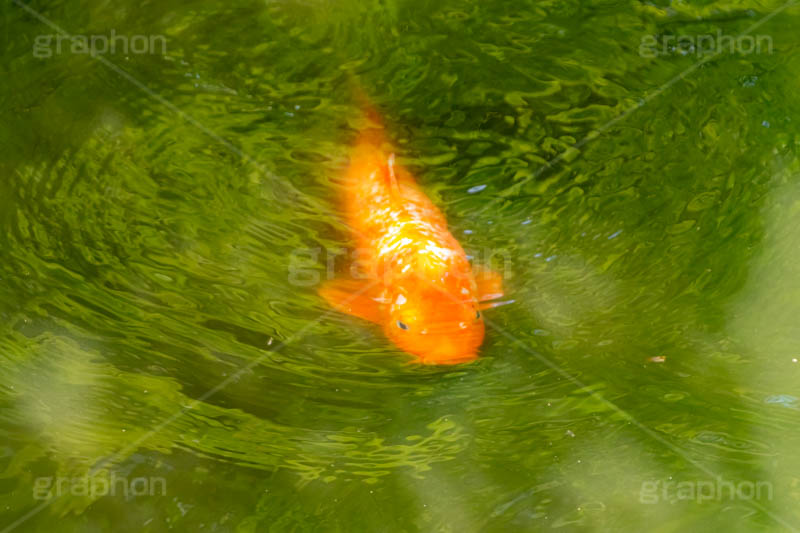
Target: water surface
pixel 156 208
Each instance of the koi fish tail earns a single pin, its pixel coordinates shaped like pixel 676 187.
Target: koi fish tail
pixel 371 158
pixel 372 132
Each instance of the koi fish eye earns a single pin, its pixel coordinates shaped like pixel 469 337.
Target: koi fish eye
pixel 402 325
pixel 477 315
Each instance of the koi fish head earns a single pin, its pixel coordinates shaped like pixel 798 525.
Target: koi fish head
pixel 439 327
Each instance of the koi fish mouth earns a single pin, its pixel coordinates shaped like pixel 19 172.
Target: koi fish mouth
pixel 450 350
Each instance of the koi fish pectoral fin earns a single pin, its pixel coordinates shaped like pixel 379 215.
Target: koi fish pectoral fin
pixel 490 285
pixel 354 297
pixel 489 305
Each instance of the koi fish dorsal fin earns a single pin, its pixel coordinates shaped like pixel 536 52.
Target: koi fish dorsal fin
pixel 391 177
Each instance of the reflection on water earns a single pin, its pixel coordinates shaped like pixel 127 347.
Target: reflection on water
pixel 150 326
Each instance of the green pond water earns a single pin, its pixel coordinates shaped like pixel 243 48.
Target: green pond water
pixel 165 218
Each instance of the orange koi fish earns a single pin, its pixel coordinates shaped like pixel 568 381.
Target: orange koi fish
pixel 414 278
